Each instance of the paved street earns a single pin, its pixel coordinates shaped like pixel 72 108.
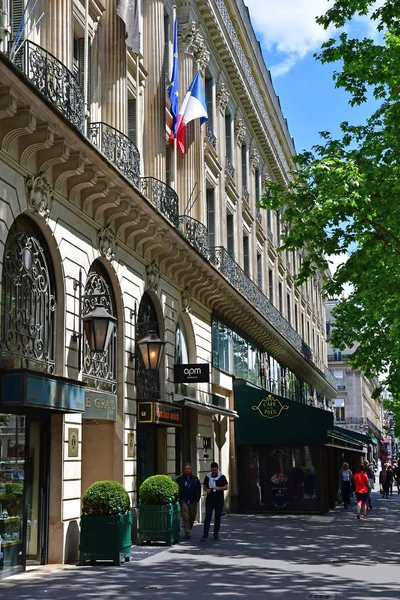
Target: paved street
pixel 330 557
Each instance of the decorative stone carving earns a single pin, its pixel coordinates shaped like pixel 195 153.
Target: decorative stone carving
pixel 190 40
pixel 240 131
pixel 254 158
pixel 186 300
pixel 40 194
pixel 153 276
pixel 222 97
pixel 106 243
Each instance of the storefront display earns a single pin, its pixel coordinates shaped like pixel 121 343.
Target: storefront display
pixel 12 480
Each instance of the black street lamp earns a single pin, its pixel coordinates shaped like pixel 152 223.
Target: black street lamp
pixel 99 326
pixel 151 349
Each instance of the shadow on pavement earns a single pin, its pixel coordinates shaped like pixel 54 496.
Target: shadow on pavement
pixel 329 557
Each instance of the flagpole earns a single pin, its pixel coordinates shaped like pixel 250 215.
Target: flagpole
pixel 175 153
pixel 86 66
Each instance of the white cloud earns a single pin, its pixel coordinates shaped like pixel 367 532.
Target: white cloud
pixel 289 27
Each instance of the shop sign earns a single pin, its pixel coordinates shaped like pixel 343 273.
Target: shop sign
pixel 192 373
pixel 100 406
pixel 73 442
pixel 270 408
pixel 160 414
pixel 22 388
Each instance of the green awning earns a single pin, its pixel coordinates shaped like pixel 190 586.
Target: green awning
pixel 338 434
pixel 356 435
pixel 269 419
pixel 374 441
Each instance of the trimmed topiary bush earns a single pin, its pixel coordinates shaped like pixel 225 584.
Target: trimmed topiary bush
pixel 159 490
pixel 105 498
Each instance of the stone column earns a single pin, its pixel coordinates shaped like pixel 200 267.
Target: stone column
pixel 59 31
pixel 113 69
pixel 154 128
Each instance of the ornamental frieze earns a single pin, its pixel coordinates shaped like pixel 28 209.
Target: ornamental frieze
pixel 40 195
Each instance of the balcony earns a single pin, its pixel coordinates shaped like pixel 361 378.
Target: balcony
pixel 196 233
pixel 228 267
pixel 229 168
pixel 338 357
pixel 163 197
pixel 53 80
pixel 211 137
pixel 245 194
pixel 118 148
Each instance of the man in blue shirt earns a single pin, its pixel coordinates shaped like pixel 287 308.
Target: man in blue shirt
pixel 214 485
pixel 190 492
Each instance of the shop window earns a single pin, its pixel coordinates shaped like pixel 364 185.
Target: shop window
pixel 28 303
pixel 181 351
pixel 99 368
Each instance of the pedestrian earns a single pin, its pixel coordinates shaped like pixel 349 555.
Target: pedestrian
pixel 384 481
pixel 361 485
pixel 396 473
pixel 390 473
pixel 189 495
pixel 215 484
pixel 371 481
pixel 345 483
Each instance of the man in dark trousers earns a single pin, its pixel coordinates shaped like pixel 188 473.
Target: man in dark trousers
pixel 214 485
pixel 190 492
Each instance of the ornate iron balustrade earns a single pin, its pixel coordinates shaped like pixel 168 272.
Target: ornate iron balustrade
pixel 229 168
pixel 228 267
pixel 196 233
pixel 118 148
pixel 211 137
pixel 338 357
pixel 163 197
pixel 245 194
pixel 53 80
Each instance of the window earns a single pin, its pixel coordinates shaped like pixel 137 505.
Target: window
pixel 208 90
pixel 269 220
pixel 288 308
pixel 259 271
pixel 228 136
pixel 257 185
pixel 339 409
pixel 246 255
pixel 294 262
pixel 278 228
pixel 339 376
pixel 296 317
pixel 302 326
pixel 230 235
pixel 78 65
pixel 280 291
pixel 244 167
pixel 271 285
pixel 328 330
pixel 308 331
pixel 181 351
pixel 211 217
pixel 234 354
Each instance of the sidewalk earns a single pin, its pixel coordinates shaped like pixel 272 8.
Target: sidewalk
pixel 330 557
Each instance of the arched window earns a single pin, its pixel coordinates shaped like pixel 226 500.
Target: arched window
pixel 147 380
pixel 28 303
pixel 181 351
pixel 99 368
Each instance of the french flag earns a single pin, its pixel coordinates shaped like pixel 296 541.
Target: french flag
pixel 193 107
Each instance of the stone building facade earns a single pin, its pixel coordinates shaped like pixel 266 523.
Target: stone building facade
pixel 88 204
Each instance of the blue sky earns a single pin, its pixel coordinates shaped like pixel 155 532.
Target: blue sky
pixel 289 37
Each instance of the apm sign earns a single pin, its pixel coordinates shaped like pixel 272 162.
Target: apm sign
pixel 192 373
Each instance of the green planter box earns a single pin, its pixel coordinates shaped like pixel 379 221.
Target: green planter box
pixel 159 523
pixel 105 538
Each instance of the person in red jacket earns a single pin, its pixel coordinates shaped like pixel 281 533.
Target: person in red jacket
pixel 361 484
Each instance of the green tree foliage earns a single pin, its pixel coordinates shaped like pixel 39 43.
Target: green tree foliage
pixel 344 196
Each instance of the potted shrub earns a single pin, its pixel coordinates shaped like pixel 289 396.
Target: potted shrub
pixel 106 523
pixel 159 510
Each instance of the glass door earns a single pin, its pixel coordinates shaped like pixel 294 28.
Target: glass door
pixel 37 491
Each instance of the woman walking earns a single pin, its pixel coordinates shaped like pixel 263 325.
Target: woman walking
pixel 361 485
pixel 384 481
pixel 345 483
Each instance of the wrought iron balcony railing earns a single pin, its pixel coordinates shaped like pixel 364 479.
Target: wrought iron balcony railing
pixel 245 194
pixel 118 148
pixel 211 137
pixel 53 80
pixel 229 168
pixel 163 197
pixel 228 267
pixel 338 357
pixel 196 233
